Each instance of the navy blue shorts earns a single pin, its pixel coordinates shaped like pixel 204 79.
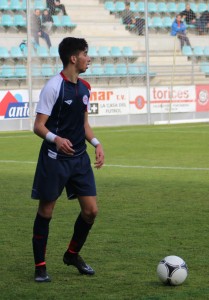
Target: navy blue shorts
pixel 52 175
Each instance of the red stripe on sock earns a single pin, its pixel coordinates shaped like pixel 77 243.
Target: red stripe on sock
pixel 73 252
pixel 40 264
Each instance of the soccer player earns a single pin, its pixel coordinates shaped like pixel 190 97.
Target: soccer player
pixel 62 123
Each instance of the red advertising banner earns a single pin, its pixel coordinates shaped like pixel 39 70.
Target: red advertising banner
pixel 202 98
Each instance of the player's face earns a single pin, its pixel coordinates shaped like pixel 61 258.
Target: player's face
pixel 83 61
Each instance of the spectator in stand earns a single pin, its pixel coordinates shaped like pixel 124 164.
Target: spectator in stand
pixel 179 29
pixel 47 21
pixel 139 24
pixel 203 23
pixel 36 28
pixel 188 15
pixel 128 18
pixel 127 15
pixel 53 5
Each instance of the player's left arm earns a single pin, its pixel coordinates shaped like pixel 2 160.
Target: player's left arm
pixel 93 141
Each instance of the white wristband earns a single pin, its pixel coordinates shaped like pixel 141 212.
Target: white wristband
pixel 50 137
pixel 95 142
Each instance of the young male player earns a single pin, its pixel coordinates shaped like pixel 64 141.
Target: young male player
pixel 62 122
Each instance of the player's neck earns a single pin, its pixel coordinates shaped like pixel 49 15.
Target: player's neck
pixel 71 76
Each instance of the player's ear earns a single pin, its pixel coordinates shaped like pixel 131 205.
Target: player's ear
pixel 73 59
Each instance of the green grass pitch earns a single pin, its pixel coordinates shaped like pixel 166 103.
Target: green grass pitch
pixel 153 197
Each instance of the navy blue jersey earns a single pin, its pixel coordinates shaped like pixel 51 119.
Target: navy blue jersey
pixel 65 103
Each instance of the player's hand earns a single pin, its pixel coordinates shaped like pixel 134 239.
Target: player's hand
pixel 99 157
pixel 64 145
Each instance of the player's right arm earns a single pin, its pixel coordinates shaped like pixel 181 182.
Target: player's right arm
pixel 63 145
pixel 47 100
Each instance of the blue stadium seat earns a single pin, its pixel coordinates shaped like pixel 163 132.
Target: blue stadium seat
pixel 187 51
pixel 53 51
pixel 143 71
pixel 39 4
pixel 15 5
pixel 152 8
pixel 127 51
pixel 167 22
pixel 19 21
pixel 149 22
pixel 119 6
pixel 16 52
pixel 172 7
pixel 66 22
pixel 20 71
pixel 181 6
pixel 97 70
pixel 4 5
pixel 206 51
pixel 92 52
pixel 202 7
pixel 42 51
pixel 36 71
pixel 7 71
pixel 4 53
pixel 157 22
pixel 162 7
pixel 193 7
pixel 110 6
pixel 204 67
pixel 133 69
pixel 103 51
pixel 6 21
pixel 25 52
pixel 133 7
pixel 109 69
pixel 24 4
pixel 115 52
pixel 198 51
pixel 47 70
pixel 121 69
pixel 56 22
pixel 140 7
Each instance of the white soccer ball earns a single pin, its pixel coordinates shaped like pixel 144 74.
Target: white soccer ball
pixel 172 270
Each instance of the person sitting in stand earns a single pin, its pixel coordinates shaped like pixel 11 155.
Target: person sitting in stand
pixel 128 18
pixel 179 29
pixel 203 23
pixel 53 5
pixel 188 15
pixel 37 30
pixel 47 21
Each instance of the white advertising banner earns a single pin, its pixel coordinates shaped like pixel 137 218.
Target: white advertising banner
pixel 109 101
pixel 165 99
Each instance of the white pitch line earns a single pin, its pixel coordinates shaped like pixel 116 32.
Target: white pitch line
pixel 121 166
pixel 158 167
pixel 16 136
pixel 17 162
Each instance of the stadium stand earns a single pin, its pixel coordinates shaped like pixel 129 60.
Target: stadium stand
pixel 114 50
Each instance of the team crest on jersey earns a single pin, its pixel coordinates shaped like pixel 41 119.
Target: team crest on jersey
pixel 85 99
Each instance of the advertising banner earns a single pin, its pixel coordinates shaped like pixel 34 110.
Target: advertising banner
pixel 118 101
pixel 173 99
pixel 202 98
pixel 109 101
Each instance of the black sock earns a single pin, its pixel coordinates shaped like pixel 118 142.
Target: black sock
pixel 81 231
pixel 40 236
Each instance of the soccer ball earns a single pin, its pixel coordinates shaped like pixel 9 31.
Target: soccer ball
pixel 172 270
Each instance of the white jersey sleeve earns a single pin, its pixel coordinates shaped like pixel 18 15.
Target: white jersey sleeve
pixel 49 95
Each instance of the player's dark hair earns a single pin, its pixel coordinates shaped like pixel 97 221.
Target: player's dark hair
pixel 71 46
